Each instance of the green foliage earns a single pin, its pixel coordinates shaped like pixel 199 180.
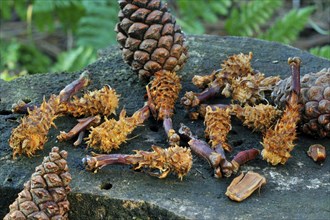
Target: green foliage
pixel 192 14
pixel 89 26
pixel 17 57
pixel 89 23
pixel 7 6
pixel 321 51
pixel 286 29
pixel 75 59
pixel 96 27
pixel 247 19
pixel 47 13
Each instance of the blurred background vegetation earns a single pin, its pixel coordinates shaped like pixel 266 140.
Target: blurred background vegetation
pixel 39 36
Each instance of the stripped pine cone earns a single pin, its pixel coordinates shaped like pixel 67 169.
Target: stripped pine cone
pixel 315 100
pixel 45 195
pixel 218 125
pixel 111 133
pixel 173 159
pixel 31 134
pixel 278 141
pixel 149 37
pixel 259 117
pixel 234 67
pixel 237 65
pixel 251 88
pixel 163 91
pixel 103 101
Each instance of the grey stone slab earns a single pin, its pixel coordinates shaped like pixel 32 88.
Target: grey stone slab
pixel 298 190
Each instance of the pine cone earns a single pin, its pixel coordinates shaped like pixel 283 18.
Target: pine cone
pixel 173 159
pixel 31 134
pixel 218 125
pixel 149 37
pixel 315 100
pixel 111 133
pixel 163 91
pixel 45 195
pixel 103 101
pixel 237 65
pixel 259 117
pixel 251 88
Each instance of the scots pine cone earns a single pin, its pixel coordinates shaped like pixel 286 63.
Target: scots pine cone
pixel 45 195
pixel 149 37
pixel 315 100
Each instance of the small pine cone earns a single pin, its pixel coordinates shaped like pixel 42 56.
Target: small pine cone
pixel 103 102
pixel 163 91
pixel 173 159
pixel 278 141
pixel 315 100
pixel 235 66
pixel 218 125
pixel 111 133
pixel 31 134
pixel 149 37
pixel 259 117
pixel 45 195
pixel 251 88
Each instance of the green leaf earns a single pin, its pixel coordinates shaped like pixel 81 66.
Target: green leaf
pixel 75 59
pixel 192 14
pixel 250 16
pixel 96 28
pixel 287 29
pixel 321 51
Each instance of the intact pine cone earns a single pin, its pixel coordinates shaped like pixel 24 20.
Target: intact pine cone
pixel 149 37
pixel 45 195
pixel 315 100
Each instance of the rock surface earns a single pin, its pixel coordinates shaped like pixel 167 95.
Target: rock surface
pixel 298 190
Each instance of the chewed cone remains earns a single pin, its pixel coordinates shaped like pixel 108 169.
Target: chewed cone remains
pixel 278 141
pixel 31 134
pixel 103 101
pixel 173 159
pixel 45 195
pixel 110 134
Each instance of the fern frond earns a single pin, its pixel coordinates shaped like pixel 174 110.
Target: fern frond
pixel 248 19
pixel 68 12
pixel 321 51
pixel 192 14
pixel 96 27
pixel 286 29
pixel 75 59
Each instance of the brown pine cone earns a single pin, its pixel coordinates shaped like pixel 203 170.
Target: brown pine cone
pixel 45 195
pixel 315 100
pixel 149 37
